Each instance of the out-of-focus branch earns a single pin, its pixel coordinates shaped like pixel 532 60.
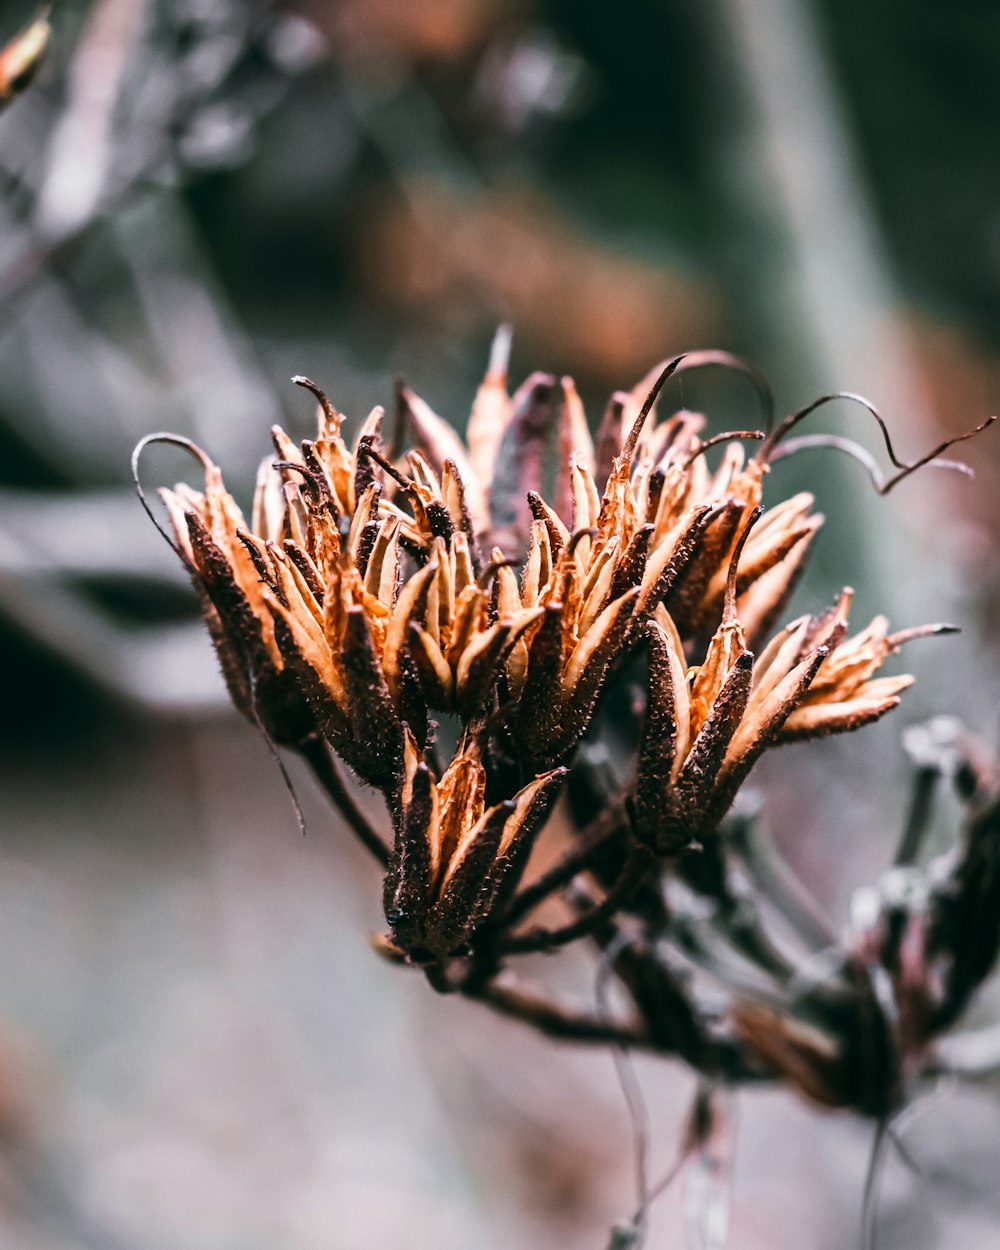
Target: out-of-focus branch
pixel 553 1020
pixel 317 755
pixel 81 151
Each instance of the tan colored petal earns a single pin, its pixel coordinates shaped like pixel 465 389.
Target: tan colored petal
pixel 586 505
pixel 766 714
pixel 597 647
pixel 410 606
pixel 435 672
pixel 481 662
pixel 382 573
pixel 463 573
pixel 575 446
pixel 538 567
pixel 670 559
pixel 460 798
pixel 819 719
pixel 664 737
pixel 491 411
pixel 763 603
pixel 597 587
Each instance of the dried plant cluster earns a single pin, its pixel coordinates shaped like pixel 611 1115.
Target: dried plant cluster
pixel 470 625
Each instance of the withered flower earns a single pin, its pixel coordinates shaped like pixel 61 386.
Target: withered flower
pixel 455 859
pixel 376 593
pixel 709 723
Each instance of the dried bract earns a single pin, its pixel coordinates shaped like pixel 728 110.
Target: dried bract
pixel 383 600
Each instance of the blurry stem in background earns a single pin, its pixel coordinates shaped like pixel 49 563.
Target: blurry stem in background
pixel 542 1014
pixel 73 195
pixel 918 817
pixel 206 361
pixel 81 150
pixel 637 865
pixel 780 885
pixel 709 1179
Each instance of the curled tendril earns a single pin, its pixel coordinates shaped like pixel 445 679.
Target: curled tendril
pixel 307 384
pixel 774 447
pixel 699 360
pixel 578 536
pixel 726 360
pixel 717 439
pixel 174 440
pixel 311 480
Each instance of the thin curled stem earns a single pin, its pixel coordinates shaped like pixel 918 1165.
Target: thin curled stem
pixel 717 439
pixel 771 450
pixel 174 440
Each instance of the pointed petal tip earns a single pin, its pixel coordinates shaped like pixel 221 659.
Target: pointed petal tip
pixel 500 351
pixel 903 636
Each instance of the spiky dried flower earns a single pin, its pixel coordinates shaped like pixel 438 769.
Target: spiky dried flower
pixel 373 593
pixel 383 606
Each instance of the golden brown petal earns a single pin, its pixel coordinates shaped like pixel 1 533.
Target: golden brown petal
pixel 491 411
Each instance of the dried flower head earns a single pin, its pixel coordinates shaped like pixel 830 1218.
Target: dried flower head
pixel 376 593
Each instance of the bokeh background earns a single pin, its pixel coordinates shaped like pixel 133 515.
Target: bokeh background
pixel 198 1050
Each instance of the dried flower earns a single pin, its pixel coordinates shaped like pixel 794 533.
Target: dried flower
pixel 454 856
pixel 374 593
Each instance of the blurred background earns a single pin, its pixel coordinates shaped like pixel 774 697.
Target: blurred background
pixel 202 197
